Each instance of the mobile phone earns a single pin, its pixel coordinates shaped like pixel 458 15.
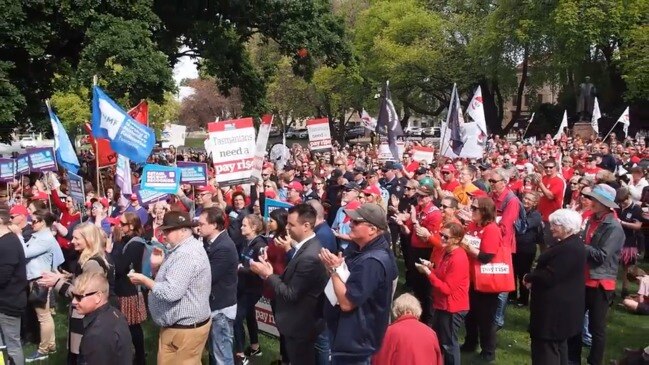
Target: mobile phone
pixel 262 251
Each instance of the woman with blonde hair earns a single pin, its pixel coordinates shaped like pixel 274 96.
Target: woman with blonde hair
pixel 89 240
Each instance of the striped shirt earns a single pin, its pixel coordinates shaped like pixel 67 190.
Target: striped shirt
pixel 182 287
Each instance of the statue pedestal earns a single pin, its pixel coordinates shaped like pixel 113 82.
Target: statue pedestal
pixel 583 130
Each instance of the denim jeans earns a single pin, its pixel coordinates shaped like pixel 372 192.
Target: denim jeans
pixel 10 327
pixel 322 348
pixel 246 311
pixel 447 326
pixel 220 341
pixel 586 337
pixel 499 318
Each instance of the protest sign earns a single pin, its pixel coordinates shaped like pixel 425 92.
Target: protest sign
pixel 232 145
pixel 260 149
pixel 265 317
pixel 41 159
pixel 193 173
pixel 7 169
pixel 384 150
pixel 173 135
pixel 75 188
pixel 272 204
pixel 420 153
pixel 319 134
pixel 22 164
pixel 161 179
pixel 146 197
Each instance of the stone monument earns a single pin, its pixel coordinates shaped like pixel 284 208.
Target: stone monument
pixel 585 103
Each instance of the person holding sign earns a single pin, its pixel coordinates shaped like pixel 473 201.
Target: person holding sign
pixel 483 241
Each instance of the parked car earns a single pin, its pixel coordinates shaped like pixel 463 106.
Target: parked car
pixel 292 132
pixel 355 132
pixel 413 131
pixel 27 142
pixel 274 131
pixel 430 131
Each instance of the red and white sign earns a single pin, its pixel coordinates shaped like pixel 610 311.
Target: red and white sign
pixel 232 145
pixel 265 317
pixel 319 134
pixel 423 154
pixel 262 142
pixel 386 155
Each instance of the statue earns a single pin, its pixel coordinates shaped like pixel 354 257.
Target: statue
pixel 585 100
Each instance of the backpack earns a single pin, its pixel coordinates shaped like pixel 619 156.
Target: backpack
pixel 520 224
pixel 146 253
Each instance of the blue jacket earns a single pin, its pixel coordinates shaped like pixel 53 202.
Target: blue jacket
pixel 326 237
pixel 42 253
pixel 357 334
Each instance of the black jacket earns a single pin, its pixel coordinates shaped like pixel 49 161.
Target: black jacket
pixel 558 290
pixel 298 293
pixel 127 255
pixel 13 276
pixel 224 260
pixel 249 282
pixel 106 339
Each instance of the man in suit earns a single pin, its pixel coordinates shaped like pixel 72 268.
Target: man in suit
pixel 223 257
pixel 298 291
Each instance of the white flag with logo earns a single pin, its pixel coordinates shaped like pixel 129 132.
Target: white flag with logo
pixel 476 112
pixel 564 124
pixel 624 119
pixel 596 115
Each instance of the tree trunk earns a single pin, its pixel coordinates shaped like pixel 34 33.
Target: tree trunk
pixel 521 89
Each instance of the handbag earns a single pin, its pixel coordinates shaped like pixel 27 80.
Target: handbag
pixel 496 276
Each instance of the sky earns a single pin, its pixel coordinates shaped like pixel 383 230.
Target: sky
pixel 184 69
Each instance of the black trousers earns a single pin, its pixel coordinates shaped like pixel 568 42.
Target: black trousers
pixel 447 326
pixel 549 352
pixel 479 322
pixel 522 265
pixel 421 286
pixel 300 350
pixel 598 302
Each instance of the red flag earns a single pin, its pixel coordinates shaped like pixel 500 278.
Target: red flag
pixel 140 113
pixel 106 156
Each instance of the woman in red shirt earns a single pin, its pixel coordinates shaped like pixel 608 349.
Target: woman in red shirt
pixel 450 282
pixel 482 241
pixel 70 216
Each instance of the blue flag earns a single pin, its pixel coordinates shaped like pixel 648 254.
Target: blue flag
pixel 127 136
pixel 65 154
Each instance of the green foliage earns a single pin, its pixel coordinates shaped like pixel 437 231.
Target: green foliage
pixel 11 101
pixel 635 63
pixel 290 96
pixel 162 113
pixel 72 108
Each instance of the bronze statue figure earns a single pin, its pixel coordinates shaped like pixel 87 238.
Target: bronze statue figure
pixel 585 100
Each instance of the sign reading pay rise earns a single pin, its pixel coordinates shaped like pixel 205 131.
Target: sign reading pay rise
pixel 232 144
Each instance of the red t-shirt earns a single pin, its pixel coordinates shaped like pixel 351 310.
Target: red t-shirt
pixel 430 217
pixel 489 237
pixel 450 281
pixel 412 167
pixel 591 171
pixel 567 173
pixel 557 186
pixel 450 186
pixel 607 284
pixel 408 341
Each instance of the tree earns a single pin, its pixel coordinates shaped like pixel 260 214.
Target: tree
pixel 73 109
pixel 207 103
pixel 166 112
pixel 290 96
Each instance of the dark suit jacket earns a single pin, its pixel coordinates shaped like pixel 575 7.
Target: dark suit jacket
pixel 224 260
pixel 299 293
pixel 558 291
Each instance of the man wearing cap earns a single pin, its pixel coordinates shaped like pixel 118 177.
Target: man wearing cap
pixel 294 195
pixel 289 173
pixel 359 178
pixel 308 192
pixel 449 182
pixel 179 296
pixel 18 215
pixel 136 208
pixel 202 200
pixel 359 317
pixel 604 238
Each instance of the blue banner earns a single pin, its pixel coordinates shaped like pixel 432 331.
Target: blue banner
pixel 75 188
pixel 7 169
pixel 41 159
pixel 22 164
pixel 147 197
pixel 272 204
pixel 193 173
pixel 65 153
pixel 126 135
pixel 161 179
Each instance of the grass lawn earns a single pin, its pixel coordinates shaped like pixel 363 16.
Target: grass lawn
pixel 624 331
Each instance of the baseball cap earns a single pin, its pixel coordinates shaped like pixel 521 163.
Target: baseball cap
pixel 104 202
pixel 133 197
pixel 40 196
pixel 372 189
pixel 295 185
pixel 19 210
pixel 206 189
pixel 449 168
pixel 371 213
pixel 352 186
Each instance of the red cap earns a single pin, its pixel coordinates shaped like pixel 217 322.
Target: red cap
pixel 207 189
pixel 635 159
pixel 295 185
pixel 104 202
pixel 113 220
pixel 40 196
pixel 19 210
pixel 353 205
pixel 372 189
pixel 270 194
pixel 133 196
pixel 449 168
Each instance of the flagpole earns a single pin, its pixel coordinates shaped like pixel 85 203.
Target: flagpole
pixel 95 81
pixel 528 126
pixel 611 130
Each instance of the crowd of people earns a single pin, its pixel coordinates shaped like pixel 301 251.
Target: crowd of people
pixel 552 225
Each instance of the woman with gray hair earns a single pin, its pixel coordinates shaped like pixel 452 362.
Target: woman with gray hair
pixel 558 289
pixel 407 340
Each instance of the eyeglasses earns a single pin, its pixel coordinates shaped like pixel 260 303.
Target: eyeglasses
pixel 355 222
pixel 574 183
pixel 446 206
pixel 445 236
pixel 548 167
pixel 493 181
pixel 474 208
pixel 79 297
pixel 123 223
pixel 200 195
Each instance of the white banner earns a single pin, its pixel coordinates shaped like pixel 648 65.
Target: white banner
pixel 472 148
pixel 262 142
pixel 423 154
pixel 232 145
pixel 173 135
pixel 319 134
pixel 384 151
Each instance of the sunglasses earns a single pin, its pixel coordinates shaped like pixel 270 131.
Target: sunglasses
pixel 409 188
pixel 123 223
pixel 548 167
pixel 474 208
pixel 79 297
pixel 444 236
pixel 493 181
pixel 446 206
